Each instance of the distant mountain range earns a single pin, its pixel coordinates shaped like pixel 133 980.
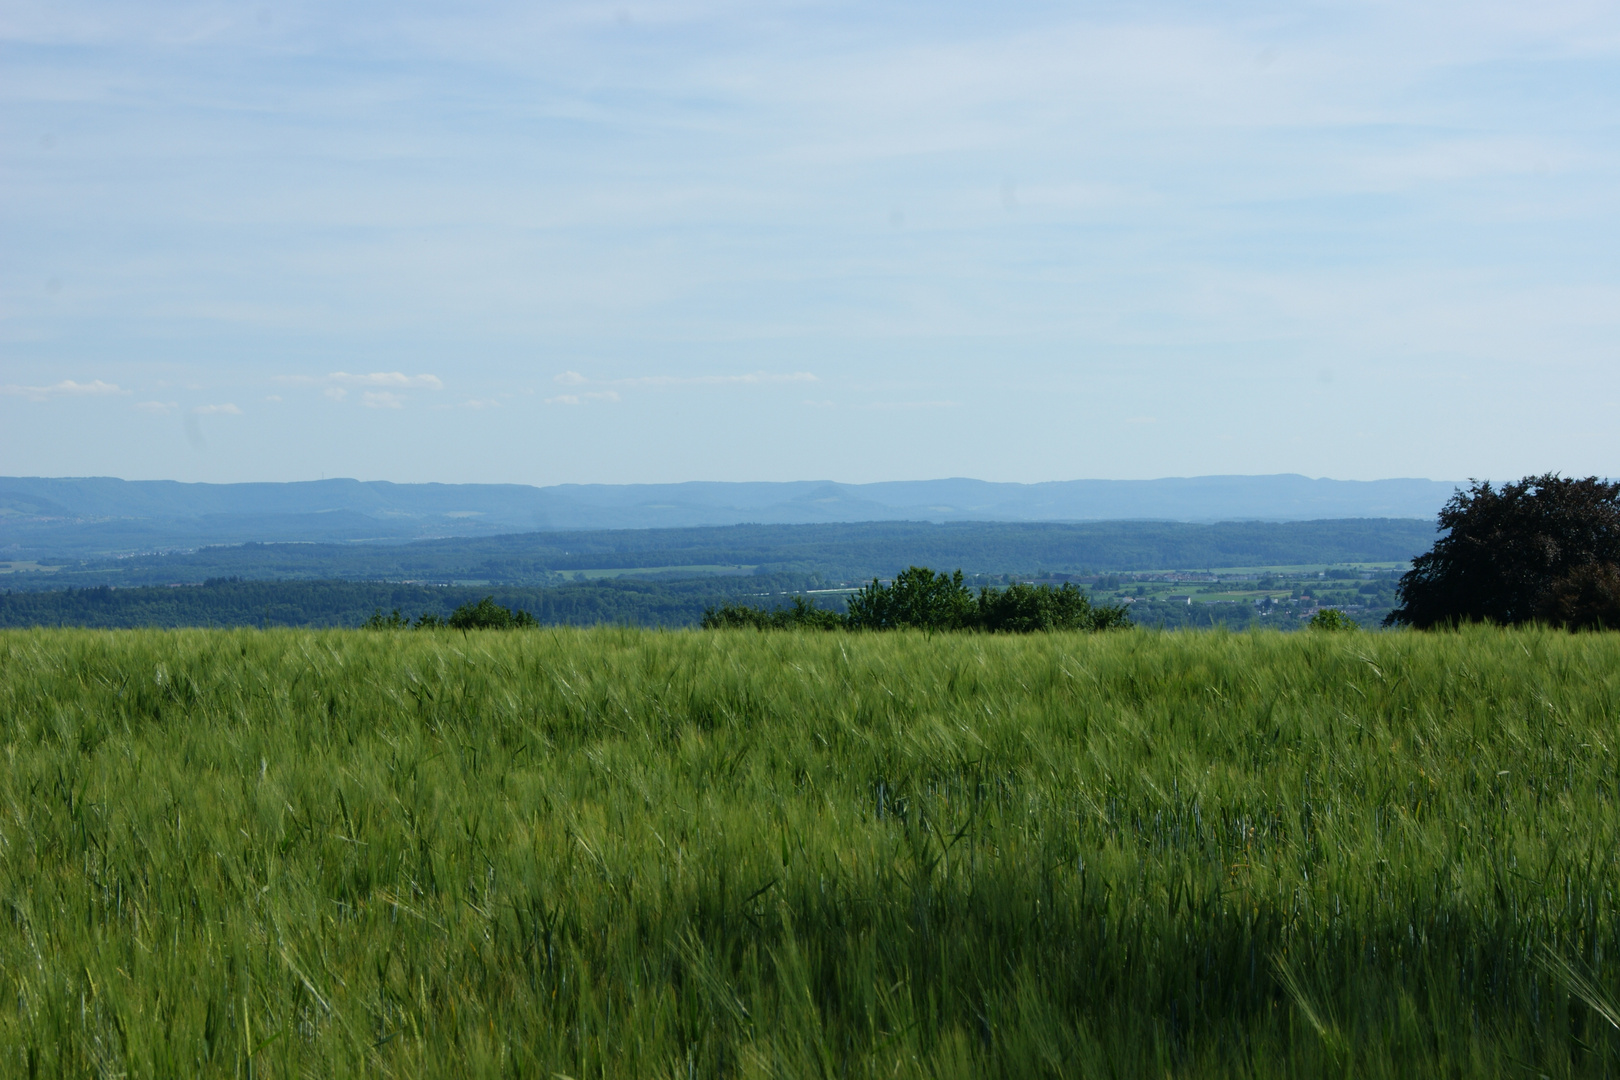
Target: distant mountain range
pixel 76 517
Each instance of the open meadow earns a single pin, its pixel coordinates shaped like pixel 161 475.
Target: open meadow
pixel 626 853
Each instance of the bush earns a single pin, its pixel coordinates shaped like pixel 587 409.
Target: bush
pixel 1332 619
pixel 736 617
pixel 1023 609
pixel 918 599
pixel 393 621
pixel 802 615
pixel 488 615
pixel 921 599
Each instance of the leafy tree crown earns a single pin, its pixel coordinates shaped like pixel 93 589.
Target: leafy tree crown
pixel 1545 548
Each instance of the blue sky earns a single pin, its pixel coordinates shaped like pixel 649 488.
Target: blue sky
pixel 549 243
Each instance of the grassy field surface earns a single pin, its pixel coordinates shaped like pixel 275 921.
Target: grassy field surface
pixel 589 853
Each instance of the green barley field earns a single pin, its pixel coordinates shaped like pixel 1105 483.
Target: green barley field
pixel 621 853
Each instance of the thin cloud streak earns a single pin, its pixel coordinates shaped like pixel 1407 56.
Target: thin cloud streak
pixel 387 378
pixel 580 399
pixel 907 406
pixel 65 388
pixel 392 379
pixel 757 378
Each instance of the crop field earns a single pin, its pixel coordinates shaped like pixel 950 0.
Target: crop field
pixel 624 853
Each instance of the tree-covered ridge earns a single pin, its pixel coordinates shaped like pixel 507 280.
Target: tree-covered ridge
pixel 837 553
pixel 106 516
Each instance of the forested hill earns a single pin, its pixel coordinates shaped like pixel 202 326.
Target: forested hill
pixel 104 515
pixel 836 552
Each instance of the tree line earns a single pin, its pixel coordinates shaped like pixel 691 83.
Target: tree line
pixel 227 602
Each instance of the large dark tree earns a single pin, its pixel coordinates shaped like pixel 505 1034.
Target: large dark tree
pixel 1544 549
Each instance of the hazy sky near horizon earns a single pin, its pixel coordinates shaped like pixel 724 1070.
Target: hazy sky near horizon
pixel 707 240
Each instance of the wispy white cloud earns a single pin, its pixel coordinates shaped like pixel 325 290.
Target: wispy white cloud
pixel 907 406
pixel 580 399
pixel 386 385
pixel 395 379
pixel 160 407
pixel 223 409
pixel 575 379
pixel 754 378
pixel 93 388
pixel 65 388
